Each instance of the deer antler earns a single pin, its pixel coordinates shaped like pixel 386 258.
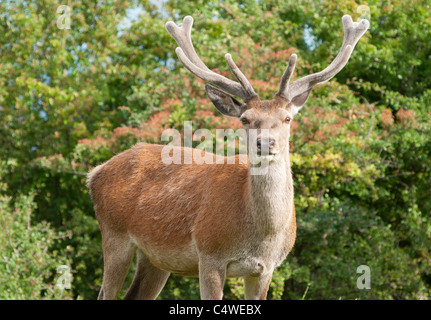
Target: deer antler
pixel 188 56
pixel 353 31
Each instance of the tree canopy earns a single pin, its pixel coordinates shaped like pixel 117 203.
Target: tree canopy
pixel 75 92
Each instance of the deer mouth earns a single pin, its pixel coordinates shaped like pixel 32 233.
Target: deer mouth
pixel 266 157
pixel 266 154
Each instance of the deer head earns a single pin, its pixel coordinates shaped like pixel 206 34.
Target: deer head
pixel 272 117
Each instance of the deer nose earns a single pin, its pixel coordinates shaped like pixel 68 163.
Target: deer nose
pixel 265 144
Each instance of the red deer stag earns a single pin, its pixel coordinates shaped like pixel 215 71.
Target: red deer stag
pixel 211 221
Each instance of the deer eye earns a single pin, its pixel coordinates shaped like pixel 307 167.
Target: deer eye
pixel 287 120
pixel 244 120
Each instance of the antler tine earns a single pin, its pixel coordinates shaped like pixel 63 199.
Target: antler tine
pixel 182 36
pixel 284 82
pixel 240 76
pixel 226 84
pixel 353 31
pixel 188 56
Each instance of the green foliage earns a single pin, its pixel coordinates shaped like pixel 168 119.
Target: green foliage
pixel 28 264
pixel 70 99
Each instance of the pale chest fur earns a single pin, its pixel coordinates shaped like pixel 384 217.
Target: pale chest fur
pixel 270 202
pixel 270 212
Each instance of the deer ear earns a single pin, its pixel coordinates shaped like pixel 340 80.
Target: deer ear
pixel 298 101
pixel 224 103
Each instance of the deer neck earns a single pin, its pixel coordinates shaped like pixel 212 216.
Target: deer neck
pixel 270 194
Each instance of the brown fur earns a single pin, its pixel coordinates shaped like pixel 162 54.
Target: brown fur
pixel 212 221
pixel 163 210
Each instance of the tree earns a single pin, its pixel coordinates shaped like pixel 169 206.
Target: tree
pixel 72 98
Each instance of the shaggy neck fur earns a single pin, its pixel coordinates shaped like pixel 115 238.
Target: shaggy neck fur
pixel 270 190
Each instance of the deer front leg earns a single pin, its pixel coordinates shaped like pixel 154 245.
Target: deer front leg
pixel 211 278
pixel 256 287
